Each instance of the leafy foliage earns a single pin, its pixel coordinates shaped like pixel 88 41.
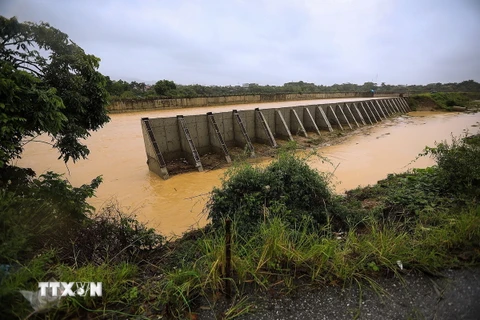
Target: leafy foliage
pixel 141 90
pixel 164 87
pixel 408 193
pixel 110 236
pixel 458 165
pixel 47 85
pixel 287 188
pixel 454 181
pixel 442 100
pixel 45 212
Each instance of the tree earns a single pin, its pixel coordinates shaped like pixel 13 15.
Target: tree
pixel 116 88
pixel 48 84
pixel 165 87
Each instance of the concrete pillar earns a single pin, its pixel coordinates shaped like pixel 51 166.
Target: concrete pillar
pixel 402 103
pixel 379 117
pixel 396 105
pixel 386 105
pixel 399 110
pixel 321 119
pixel 387 111
pixel 263 133
pixel 393 109
pixel 375 102
pixel 364 112
pixel 296 125
pixel 188 147
pixel 155 160
pixel 406 104
pixel 216 138
pixel 342 115
pixel 332 116
pixel 381 108
pixel 357 114
pixel 240 132
pixel 396 102
pixel 281 128
pixel 386 108
pixel 372 112
pixel 349 115
pixel 309 121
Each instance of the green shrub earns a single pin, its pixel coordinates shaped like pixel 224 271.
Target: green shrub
pixel 446 100
pixel 287 188
pixel 111 236
pixel 40 213
pixel 412 191
pixel 443 100
pixel 49 213
pixel 458 165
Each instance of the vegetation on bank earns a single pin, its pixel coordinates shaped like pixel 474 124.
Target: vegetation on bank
pixel 444 100
pixel 120 89
pixel 289 229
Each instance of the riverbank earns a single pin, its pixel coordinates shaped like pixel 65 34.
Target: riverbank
pixel 285 239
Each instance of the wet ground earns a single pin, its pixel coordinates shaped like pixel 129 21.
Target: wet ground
pixel 454 295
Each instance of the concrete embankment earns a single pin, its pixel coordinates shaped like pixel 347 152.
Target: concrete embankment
pixel 172 103
pixel 190 137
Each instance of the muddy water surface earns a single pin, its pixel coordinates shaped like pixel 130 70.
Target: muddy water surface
pixel 172 206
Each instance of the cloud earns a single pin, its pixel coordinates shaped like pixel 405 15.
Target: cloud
pixel 271 41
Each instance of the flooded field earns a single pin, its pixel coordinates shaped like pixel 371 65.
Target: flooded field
pixel 174 205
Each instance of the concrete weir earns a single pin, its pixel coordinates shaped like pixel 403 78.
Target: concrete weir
pixel 192 136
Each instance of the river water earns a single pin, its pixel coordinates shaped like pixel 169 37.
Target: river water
pixel 175 205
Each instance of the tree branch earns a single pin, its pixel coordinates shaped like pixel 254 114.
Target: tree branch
pixel 32 71
pixel 27 62
pixel 28 41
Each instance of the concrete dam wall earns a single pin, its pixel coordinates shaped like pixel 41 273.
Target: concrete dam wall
pixel 163 104
pixel 190 137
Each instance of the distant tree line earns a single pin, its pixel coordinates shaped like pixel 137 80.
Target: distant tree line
pixel 168 89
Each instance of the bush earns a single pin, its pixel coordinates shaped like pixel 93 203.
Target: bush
pixel 454 181
pixel 110 237
pixel 287 188
pixel 458 165
pixel 446 100
pixel 40 213
pixel 442 100
pixel 49 213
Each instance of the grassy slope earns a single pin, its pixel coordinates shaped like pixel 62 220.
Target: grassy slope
pixel 442 100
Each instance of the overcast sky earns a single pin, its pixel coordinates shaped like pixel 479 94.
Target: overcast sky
pixel 229 42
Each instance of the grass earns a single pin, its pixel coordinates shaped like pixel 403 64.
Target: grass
pixel 441 100
pixel 281 258
pixel 277 258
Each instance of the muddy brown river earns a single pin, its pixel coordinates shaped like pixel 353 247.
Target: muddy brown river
pixel 175 205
